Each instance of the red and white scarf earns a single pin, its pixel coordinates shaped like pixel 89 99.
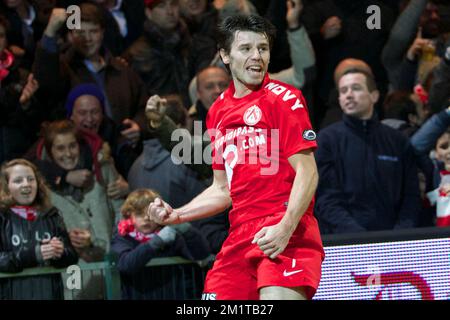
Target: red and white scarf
pixel 126 227
pixel 25 212
pixel 6 61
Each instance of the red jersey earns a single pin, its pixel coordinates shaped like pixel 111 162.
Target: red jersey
pixel 251 139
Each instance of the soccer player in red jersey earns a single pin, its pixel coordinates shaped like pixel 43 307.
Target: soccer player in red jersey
pixel 262 148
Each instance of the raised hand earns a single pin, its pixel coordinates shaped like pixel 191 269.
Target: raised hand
pixel 331 28
pixel 418 44
pixel 56 21
pixel 28 90
pixel 294 9
pixel 155 110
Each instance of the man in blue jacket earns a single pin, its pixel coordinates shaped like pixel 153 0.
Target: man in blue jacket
pixel 367 173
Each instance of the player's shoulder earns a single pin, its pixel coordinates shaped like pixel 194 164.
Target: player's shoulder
pixel 281 94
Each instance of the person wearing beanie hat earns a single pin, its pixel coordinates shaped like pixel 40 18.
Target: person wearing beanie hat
pixel 83 89
pixel 85 107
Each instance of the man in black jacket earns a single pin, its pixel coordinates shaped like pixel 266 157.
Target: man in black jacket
pixel 367 172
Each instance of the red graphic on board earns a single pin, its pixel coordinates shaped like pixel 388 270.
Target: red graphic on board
pixel 392 278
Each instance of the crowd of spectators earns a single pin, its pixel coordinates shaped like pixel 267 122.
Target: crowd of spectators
pixel 94 108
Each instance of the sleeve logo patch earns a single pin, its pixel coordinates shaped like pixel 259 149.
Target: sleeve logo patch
pixel 309 135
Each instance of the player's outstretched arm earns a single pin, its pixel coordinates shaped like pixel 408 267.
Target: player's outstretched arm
pixel 213 200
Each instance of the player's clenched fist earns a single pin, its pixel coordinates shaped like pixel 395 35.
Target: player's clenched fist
pixel 162 213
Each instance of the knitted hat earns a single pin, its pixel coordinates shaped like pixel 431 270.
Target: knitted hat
pixel 81 90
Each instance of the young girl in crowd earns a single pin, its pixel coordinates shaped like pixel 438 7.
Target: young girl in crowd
pixel 139 240
pixel 434 136
pixel 32 234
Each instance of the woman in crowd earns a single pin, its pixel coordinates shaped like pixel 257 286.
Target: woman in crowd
pixel 32 234
pixel 85 187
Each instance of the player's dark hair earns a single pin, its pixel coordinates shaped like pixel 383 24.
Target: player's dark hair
pixel 240 22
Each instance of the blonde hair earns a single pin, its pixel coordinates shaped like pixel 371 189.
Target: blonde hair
pixel 42 200
pixel 137 202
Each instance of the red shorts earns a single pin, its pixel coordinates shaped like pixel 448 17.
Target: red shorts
pixel 241 268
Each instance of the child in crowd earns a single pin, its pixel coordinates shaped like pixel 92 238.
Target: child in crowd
pixel 434 133
pixel 139 240
pixel 440 196
pixel 32 234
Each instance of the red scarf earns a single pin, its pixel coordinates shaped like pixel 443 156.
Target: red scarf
pixel 126 227
pixel 25 212
pixel 6 61
pixel 421 93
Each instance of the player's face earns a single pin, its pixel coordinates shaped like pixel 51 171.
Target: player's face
pixel 143 224
pixel 87 113
pixel 248 60
pixel 65 151
pixel 22 184
pixel 354 97
pixel 211 83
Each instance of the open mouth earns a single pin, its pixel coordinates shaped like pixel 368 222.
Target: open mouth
pixel 25 193
pixel 90 127
pixel 68 163
pixel 350 104
pixel 256 70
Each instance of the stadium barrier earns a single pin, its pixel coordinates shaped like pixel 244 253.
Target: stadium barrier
pixel 101 280
pixel 384 265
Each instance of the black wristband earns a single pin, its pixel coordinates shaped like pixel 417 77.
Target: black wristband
pixel 295 29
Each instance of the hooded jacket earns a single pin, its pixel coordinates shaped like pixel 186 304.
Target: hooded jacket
pixel 20 248
pixel 367 178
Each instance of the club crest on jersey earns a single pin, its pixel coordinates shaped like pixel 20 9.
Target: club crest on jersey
pixel 309 135
pixel 252 115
